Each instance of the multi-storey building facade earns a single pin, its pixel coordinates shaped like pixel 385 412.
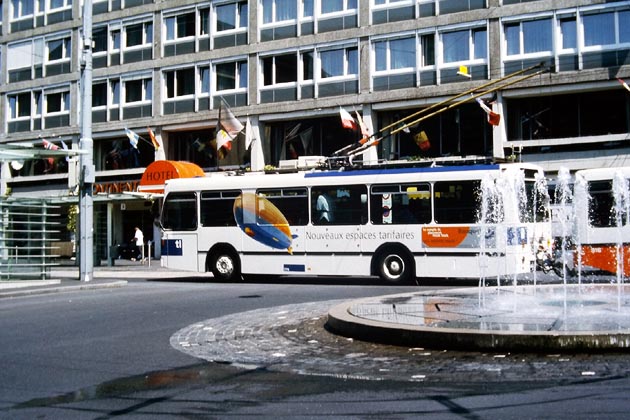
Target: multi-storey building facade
pixel 288 66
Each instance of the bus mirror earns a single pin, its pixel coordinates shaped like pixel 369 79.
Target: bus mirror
pixel 363 198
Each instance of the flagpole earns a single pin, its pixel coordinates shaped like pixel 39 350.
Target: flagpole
pixel 376 141
pixel 216 130
pixel 364 143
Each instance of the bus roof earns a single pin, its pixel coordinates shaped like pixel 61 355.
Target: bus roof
pixel 599 174
pixel 234 180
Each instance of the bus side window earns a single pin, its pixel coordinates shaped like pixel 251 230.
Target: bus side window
pixel 217 208
pixel 339 205
pixel 292 203
pixel 400 204
pixel 180 211
pixel 455 201
pixel 601 204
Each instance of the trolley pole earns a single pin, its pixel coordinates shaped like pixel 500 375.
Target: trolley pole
pixel 86 145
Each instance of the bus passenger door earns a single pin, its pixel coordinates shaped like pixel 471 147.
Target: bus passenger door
pixel 180 252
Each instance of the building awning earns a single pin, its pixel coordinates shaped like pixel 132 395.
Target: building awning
pixel 160 171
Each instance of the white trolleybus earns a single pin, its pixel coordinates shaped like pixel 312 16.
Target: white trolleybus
pixel 397 223
pixel 602 217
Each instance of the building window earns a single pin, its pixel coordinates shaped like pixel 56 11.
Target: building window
pixel 395 54
pixel 181 26
pixel 105 6
pixel 139 34
pixel 427 43
pixel 122 42
pixel 454 6
pixel 140 90
pixel 59 4
pixel 465 45
pixel 528 37
pixel 275 11
pixel 230 23
pixel 307 60
pixel 19 105
pixel 601 113
pixel 568 33
pixel 334 6
pixel 58 49
pixel 599 29
pixel 279 69
pixel 37 110
pixel 231 16
pixel 180 82
pixel 339 62
pixel 204 79
pixel 39 57
pixel 584 39
pixel 231 76
pixel 22 8
pixel 187 31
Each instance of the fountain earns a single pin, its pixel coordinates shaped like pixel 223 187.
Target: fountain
pixel 541 317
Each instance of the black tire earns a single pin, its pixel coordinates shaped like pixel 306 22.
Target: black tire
pixel 225 265
pixel 395 265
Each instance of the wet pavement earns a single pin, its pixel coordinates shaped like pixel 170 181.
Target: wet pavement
pixel 295 339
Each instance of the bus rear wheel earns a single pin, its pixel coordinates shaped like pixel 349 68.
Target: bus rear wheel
pixel 225 266
pixel 395 266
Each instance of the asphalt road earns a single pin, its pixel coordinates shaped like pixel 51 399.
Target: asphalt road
pixel 191 349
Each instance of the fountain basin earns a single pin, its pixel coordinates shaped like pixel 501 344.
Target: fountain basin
pixel 525 318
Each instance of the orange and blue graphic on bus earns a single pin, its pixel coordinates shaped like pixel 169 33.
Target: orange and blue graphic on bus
pixel 261 220
pixel 457 236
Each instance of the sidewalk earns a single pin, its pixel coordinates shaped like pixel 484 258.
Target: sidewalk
pixel 66 278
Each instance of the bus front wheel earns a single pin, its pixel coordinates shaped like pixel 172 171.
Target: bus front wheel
pixel 225 265
pixel 395 266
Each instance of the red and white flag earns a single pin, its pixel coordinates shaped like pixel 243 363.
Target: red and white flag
pixel 493 117
pixel 346 120
pixel 229 127
pixel 48 145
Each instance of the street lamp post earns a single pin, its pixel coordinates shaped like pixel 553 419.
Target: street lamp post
pixel 86 144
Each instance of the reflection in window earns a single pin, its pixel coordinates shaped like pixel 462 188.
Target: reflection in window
pixel 231 16
pixel 339 205
pixel 292 203
pixel 400 204
pixel 231 75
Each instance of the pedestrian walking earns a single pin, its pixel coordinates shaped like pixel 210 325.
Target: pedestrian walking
pixel 138 239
